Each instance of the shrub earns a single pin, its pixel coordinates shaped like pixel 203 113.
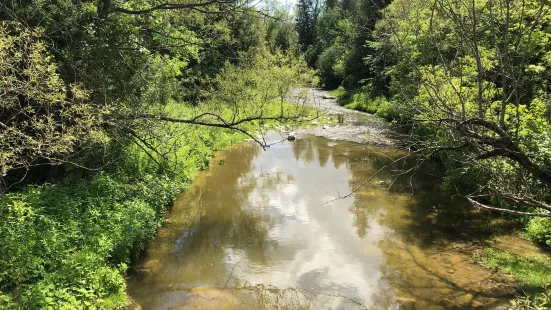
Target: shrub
pixel 67 244
pixel 539 230
pixel 331 66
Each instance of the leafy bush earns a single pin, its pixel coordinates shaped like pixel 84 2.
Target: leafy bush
pixel 538 301
pixel 331 66
pixel 539 230
pixel 361 100
pixel 68 244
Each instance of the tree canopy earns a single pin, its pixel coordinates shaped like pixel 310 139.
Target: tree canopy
pixel 78 76
pixel 468 79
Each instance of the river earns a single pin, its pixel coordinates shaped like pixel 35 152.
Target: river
pixel 267 230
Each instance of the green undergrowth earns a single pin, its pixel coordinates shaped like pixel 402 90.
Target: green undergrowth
pixel 68 245
pixel 535 301
pixel 534 271
pixel 538 229
pixel 362 101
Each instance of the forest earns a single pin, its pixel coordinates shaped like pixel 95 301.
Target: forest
pixel 110 108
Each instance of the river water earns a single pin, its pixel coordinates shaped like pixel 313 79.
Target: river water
pixel 266 230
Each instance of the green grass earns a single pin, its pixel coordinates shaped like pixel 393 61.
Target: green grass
pixel 338 93
pixel 535 301
pixel 531 272
pixel 361 101
pixel 343 96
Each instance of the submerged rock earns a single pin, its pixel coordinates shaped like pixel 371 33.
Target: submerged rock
pixel 209 298
pixel 464 300
pixel 133 304
pixel 154 265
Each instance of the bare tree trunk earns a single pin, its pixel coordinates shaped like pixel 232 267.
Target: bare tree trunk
pixel 479 68
pixel 504 68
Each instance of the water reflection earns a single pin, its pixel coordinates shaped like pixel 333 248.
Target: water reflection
pixel 258 229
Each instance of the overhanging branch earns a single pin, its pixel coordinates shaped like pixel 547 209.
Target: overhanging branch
pixel 168 6
pixel 487 207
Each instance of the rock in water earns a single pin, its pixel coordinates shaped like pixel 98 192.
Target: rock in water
pixel 292 136
pixel 154 265
pixel 133 304
pixel 209 298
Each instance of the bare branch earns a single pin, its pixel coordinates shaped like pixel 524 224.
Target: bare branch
pixel 487 207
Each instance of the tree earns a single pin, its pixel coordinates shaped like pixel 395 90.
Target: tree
pixel 42 117
pixel 472 73
pixel 78 78
pixel 281 33
pixel 329 4
pixel 305 23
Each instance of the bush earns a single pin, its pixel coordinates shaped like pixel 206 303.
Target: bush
pixel 331 66
pixel 362 101
pixel 531 272
pixel 539 230
pixel 68 244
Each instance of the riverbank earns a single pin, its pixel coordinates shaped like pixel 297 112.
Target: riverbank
pixel 514 254
pixel 68 244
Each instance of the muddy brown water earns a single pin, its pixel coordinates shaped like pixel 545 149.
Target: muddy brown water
pixel 262 230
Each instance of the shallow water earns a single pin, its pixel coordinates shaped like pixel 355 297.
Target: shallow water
pixel 264 229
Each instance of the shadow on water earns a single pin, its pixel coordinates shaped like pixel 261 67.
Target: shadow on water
pixel 430 215
pixel 258 232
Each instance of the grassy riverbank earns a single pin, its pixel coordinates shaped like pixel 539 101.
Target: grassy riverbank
pixel 356 100
pixel 527 263
pixel 106 114
pixel 68 244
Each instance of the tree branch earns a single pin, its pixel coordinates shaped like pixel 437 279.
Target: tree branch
pixel 168 6
pixel 484 206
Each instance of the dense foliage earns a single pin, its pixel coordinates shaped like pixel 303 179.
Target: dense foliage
pixel 334 36
pixel 468 79
pixel 108 109
pixel 81 75
pixel 67 245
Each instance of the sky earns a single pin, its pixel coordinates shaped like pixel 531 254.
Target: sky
pixel 289 4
